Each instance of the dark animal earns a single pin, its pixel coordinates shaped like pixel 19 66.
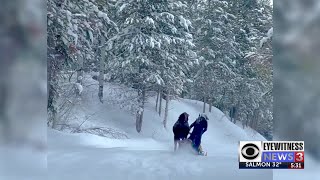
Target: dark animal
pixel 181 129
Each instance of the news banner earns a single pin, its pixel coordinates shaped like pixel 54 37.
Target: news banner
pixel 271 155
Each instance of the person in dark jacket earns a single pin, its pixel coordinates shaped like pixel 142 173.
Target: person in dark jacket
pixel 199 127
pixel 181 129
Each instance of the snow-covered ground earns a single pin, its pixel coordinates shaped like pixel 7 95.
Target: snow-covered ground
pixel 17 163
pixel 148 155
pixel 84 156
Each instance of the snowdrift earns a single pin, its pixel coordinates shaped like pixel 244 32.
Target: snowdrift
pixel 117 112
pixel 149 154
pixel 145 155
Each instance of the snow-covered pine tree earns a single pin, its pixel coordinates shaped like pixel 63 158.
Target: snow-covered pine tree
pixel 262 64
pixel 153 47
pixel 242 24
pixel 216 47
pixel 256 17
pixel 73 31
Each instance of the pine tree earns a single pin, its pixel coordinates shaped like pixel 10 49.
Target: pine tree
pixel 216 47
pixel 152 47
pixel 74 28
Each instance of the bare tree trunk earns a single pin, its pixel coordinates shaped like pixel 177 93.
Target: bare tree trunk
pixel 210 105
pixel 52 85
pixel 166 110
pixel 157 100
pixel 54 119
pixel 233 112
pixel 52 108
pixel 52 100
pixel 139 116
pixel 79 72
pixel 204 105
pixel 256 117
pixel 101 70
pixel 251 122
pixel 4 119
pixel 80 68
pixel 160 103
pixel 245 122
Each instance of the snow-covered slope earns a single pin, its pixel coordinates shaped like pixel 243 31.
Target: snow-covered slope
pixel 109 114
pixel 149 154
pixel 81 156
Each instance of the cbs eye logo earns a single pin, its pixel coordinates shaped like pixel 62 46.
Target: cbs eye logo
pixel 250 151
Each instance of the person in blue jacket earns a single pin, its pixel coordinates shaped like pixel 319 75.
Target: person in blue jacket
pixel 199 126
pixel 181 129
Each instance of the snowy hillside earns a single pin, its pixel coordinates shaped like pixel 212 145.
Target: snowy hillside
pixel 148 155
pixel 115 113
pixel 144 156
pixel 152 49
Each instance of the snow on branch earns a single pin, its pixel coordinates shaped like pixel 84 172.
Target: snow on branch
pixel 265 39
pixel 104 132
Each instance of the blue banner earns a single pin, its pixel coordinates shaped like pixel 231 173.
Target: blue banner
pixel 273 156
